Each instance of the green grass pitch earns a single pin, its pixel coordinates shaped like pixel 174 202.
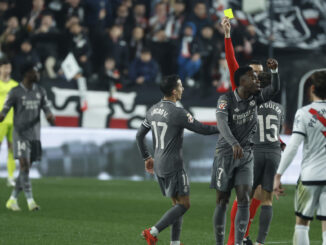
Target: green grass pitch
pixel 88 211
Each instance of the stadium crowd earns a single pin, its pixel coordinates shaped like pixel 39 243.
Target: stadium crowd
pixel 124 43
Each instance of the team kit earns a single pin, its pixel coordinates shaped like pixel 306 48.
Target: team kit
pixel 248 155
pixel 247 159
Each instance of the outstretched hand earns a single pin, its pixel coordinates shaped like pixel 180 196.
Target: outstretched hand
pixel 272 64
pixel 226 26
pixel 149 165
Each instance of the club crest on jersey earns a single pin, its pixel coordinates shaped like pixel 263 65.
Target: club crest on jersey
pixel 223 104
pixel 190 118
pixel 252 103
pixel 38 95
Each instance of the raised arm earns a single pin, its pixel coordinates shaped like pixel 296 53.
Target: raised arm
pixel 229 51
pixel 268 92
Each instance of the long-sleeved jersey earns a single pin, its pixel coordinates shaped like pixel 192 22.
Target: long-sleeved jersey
pixel 167 122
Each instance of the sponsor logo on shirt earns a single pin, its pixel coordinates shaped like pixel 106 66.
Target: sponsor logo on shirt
pixel 252 103
pixel 236 110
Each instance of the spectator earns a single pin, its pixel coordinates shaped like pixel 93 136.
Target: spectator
pixel 139 16
pixel 109 77
pixel 189 58
pixel 221 75
pixel 11 28
pixel 242 46
pixel 81 48
pixel 175 20
pixel 96 13
pixel 122 15
pixel 26 56
pixel 33 19
pixel 199 16
pixel 164 52
pixel 136 43
pixel 45 43
pixel 143 70
pixel 113 45
pixel 71 8
pixel 158 20
pixel 10 38
pixel 257 49
pixel 209 53
pixel 4 13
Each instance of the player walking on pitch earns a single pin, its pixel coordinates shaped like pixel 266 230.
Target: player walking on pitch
pixel 27 99
pixel 167 122
pixel 233 163
pixel 310 196
pixel 266 145
pixel 6 127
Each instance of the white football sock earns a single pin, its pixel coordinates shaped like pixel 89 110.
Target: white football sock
pixel 301 235
pixel 154 231
pixel 324 238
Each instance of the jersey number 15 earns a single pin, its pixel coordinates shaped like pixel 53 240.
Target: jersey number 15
pixel 162 134
pixel 269 126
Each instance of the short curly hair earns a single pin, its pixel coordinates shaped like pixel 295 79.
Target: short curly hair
pixel 319 81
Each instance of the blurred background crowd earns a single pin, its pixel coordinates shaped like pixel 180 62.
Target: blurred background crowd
pixel 128 45
pixel 124 43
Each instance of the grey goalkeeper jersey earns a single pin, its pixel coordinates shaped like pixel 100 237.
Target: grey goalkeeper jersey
pixel 167 122
pixel 270 117
pixel 27 105
pixel 237 118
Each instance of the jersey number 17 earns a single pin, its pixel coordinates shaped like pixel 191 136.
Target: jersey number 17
pixel 162 134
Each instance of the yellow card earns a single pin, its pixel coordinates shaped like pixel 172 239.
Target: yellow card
pixel 228 13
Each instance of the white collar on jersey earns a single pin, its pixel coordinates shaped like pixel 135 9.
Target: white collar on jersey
pixel 238 98
pixel 320 101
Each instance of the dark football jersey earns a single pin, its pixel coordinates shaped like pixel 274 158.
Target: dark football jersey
pixel 167 122
pixel 27 104
pixel 270 116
